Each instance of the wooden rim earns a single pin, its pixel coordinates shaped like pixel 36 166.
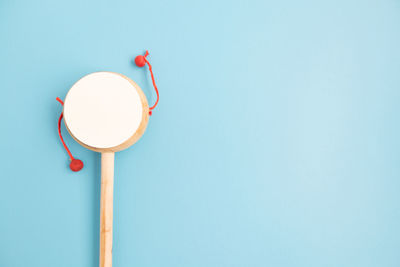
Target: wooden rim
pixel 139 132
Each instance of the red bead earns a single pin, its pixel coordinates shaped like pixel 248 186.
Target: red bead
pixel 76 165
pixel 139 61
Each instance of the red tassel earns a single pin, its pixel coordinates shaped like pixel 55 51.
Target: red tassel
pixel 141 61
pixel 76 164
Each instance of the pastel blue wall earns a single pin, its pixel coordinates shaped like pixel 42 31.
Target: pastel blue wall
pixel 276 141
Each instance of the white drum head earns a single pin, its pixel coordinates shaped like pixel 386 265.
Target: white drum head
pixel 105 111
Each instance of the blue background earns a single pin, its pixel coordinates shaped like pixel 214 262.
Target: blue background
pixel 276 141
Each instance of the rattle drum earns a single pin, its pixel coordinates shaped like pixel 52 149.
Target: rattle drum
pixel 106 112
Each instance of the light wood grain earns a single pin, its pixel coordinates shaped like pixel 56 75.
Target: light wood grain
pixel 106 208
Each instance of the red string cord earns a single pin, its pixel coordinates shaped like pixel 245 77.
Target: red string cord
pixel 140 62
pixel 76 164
pixel 59 131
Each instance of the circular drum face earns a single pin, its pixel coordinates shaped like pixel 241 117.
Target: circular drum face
pixel 105 111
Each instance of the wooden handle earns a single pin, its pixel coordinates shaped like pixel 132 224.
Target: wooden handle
pixel 106 208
